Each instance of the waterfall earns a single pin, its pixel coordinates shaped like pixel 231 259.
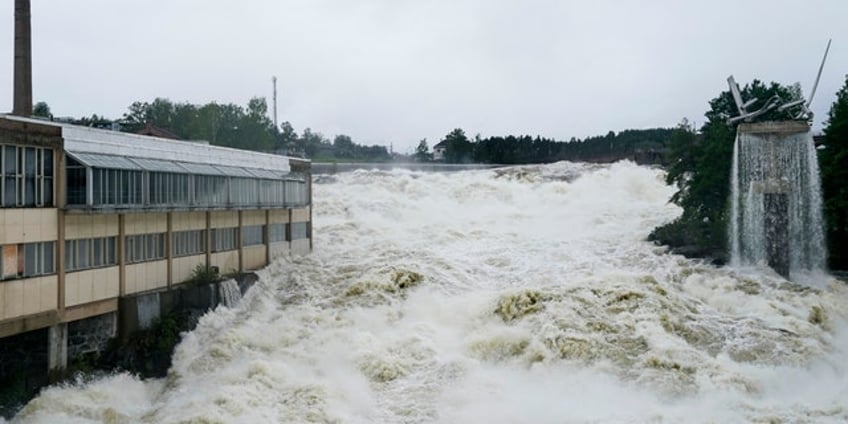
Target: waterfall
pixel 776 206
pixel 229 293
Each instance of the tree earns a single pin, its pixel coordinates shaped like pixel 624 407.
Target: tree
pixel 287 138
pixel 834 174
pixel 41 109
pixel 310 142
pixel 458 149
pixel 681 146
pixel 422 152
pixel 343 146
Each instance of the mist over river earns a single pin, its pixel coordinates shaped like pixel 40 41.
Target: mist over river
pixel 513 295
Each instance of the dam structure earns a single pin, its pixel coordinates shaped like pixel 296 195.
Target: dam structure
pixel 101 226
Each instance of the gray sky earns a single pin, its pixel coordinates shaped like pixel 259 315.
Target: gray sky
pixel 396 71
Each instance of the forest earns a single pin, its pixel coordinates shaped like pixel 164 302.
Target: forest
pixel 642 146
pixel 231 125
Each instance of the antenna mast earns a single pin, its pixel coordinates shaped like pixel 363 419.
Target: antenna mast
pixel 274 82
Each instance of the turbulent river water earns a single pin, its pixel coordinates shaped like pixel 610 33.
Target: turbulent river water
pixel 516 295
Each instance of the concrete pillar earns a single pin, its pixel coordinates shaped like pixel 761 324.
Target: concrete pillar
pixel 776 228
pixel 57 347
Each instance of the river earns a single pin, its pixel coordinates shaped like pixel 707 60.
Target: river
pixel 514 295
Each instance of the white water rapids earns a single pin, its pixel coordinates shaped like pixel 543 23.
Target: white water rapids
pixel 522 295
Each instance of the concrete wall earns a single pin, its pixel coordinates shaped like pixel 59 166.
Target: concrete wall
pixel 145 223
pixel 28 225
pixel 182 268
pixel 254 257
pixel 279 216
pixel 185 221
pixel 88 286
pixel 224 219
pixel 226 261
pixel 90 226
pixel 28 296
pixel 146 276
pixel 253 218
pixel 300 214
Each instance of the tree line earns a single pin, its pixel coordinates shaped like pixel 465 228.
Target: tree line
pixel 644 146
pixel 231 125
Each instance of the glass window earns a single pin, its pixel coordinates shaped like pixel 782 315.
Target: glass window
pixel 49 249
pixel 83 254
pixel 97 255
pixel 299 230
pixel 224 239
pixel 30 259
pixel 277 233
pixel 111 251
pixel 253 235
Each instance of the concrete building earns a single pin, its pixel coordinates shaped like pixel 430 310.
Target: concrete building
pixel 89 218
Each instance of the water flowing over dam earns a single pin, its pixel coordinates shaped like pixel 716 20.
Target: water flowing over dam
pixel 776 199
pixel 523 294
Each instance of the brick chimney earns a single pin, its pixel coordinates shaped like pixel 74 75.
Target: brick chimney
pixel 22 104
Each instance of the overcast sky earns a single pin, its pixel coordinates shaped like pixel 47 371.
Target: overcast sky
pixel 396 71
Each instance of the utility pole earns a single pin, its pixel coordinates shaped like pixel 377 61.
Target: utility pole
pixel 274 81
pixel 22 103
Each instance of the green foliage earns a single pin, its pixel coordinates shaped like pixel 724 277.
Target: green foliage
pixel 202 274
pixel 422 152
pixel 458 148
pixel 225 125
pixel 834 173
pixel 41 109
pixel 701 169
pixel 148 352
pixel 628 144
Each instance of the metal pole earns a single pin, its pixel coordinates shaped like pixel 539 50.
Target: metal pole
pixel 274 81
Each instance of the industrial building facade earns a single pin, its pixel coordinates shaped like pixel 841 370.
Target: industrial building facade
pixel 90 216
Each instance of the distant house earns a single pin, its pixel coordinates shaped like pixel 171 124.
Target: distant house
pixel 439 151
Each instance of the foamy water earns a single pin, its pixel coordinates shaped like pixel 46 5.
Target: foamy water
pixel 499 296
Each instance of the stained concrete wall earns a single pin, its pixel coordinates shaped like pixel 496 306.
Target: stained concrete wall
pixel 91 285
pixel 146 276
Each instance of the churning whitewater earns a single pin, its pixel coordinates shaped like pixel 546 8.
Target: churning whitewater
pixel 524 294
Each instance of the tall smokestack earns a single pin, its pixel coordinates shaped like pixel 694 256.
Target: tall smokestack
pixel 23 60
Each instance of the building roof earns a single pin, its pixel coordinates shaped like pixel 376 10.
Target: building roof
pixel 150 129
pixel 113 149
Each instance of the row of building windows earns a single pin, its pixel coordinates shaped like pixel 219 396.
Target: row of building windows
pixel 224 239
pixel 27 259
pixel 145 247
pixel 26 176
pixel 120 187
pixel 253 235
pixel 90 253
pixel 187 243
pixel 32 259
